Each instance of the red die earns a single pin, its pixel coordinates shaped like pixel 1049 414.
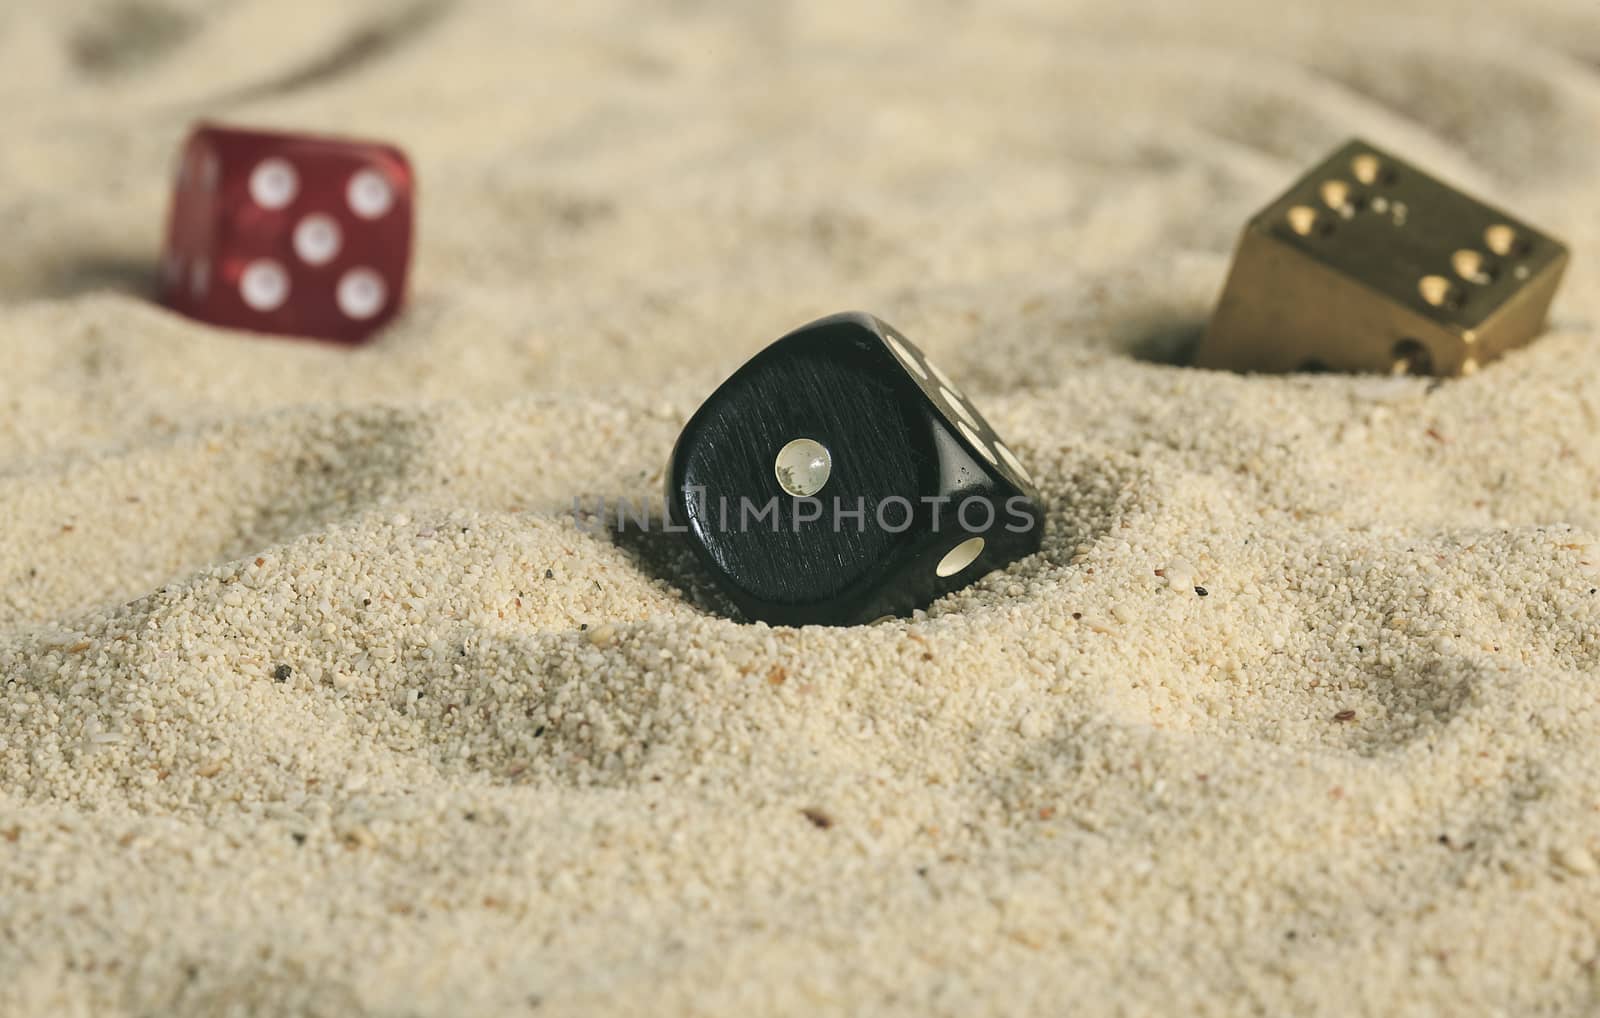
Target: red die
pixel 289 233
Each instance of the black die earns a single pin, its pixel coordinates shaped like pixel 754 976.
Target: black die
pixel 918 496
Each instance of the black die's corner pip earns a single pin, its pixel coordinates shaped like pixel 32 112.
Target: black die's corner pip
pixel 839 476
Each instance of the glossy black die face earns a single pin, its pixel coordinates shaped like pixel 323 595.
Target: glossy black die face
pixel 838 476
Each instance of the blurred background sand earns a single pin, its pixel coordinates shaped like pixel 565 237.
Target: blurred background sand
pixel 316 701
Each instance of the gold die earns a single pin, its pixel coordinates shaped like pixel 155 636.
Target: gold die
pixel 1369 264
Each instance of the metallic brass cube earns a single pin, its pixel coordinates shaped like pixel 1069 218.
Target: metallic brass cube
pixel 1369 264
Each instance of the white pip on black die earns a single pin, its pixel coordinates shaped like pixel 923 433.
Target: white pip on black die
pixel 839 476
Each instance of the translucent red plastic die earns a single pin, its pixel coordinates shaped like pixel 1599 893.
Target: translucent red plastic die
pixel 289 233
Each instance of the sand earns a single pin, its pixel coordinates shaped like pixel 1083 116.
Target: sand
pixel 317 701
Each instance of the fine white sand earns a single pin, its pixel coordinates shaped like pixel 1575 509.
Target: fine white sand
pixel 1361 775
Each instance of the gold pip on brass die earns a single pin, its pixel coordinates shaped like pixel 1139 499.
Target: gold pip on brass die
pixel 1369 264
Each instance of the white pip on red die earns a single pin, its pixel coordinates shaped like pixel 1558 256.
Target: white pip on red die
pixel 289 233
